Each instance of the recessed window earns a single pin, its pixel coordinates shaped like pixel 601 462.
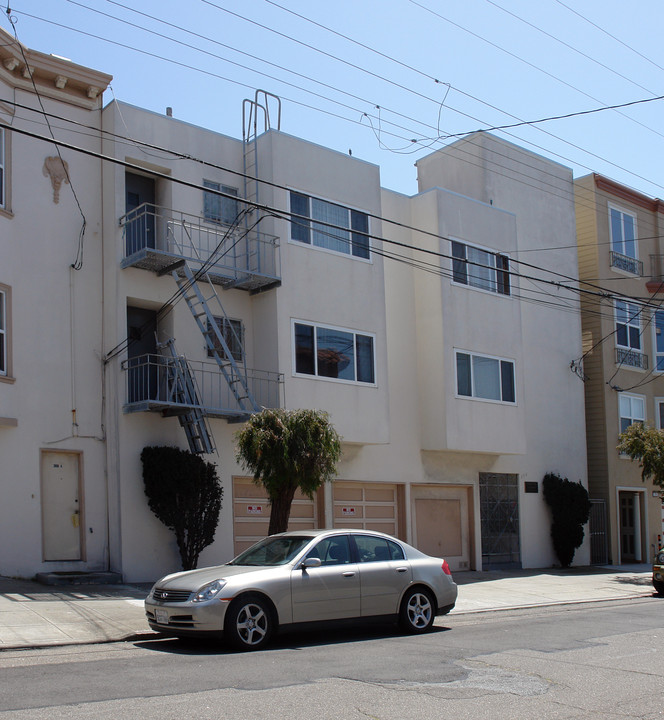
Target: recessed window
pixel 327 225
pixel 484 377
pixel 5 326
pixel 632 409
pixel 2 168
pixel 218 208
pixel 628 325
pixel 334 353
pixel 658 340
pixel 623 232
pixel 480 268
pixel 233 334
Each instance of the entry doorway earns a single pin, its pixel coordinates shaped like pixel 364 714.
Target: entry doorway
pixel 141 213
pixel 631 518
pixel 499 512
pixel 61 506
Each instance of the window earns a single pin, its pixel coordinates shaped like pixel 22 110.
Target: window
pixel 332 551
pixel 333 353
pixel 233 333
pixel 339 229
pixel 628 325
pixel 488 378
pixel 623 232
pixel 632 409
pixel 658 341
pixel 372 549
pixel 659 413
pixel 4 370
pixel 480 268
pixel 217 208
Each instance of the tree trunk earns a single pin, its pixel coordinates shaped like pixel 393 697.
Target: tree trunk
pixel 280 512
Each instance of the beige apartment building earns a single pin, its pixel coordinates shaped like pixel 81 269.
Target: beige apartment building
pixel 619 233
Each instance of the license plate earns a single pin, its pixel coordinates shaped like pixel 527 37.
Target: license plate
pixel 161 616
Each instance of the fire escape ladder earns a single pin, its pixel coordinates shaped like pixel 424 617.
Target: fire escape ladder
pixel 185 393
pixel 236 376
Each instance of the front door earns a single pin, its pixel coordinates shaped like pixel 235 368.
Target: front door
pixel 61 512
pixel 630 528
pixel 141 368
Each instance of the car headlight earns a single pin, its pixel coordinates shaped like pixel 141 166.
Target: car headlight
pixel 660 558
pixel 209 591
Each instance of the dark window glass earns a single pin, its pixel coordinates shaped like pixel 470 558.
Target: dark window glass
pixel 507 381
pixel 365 358
pixel 335 353
pixel 503 275
pixel 360 222
pixel 464 386
pixel 299 226
pixel 304 349
pixel 459 273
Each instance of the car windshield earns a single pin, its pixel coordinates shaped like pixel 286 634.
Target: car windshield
pixel 272 551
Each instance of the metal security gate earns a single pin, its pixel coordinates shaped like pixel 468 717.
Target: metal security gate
pixel 599 542
pixel 499 513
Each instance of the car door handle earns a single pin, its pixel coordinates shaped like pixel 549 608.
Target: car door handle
pixel 402 569
pixel 349 573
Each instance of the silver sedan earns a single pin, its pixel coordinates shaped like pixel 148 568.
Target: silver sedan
pixel 304 577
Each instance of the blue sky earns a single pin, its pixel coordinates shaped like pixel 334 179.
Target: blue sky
pixel 389 80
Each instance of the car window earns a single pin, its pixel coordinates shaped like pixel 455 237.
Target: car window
pixel 373 549
pixel 332 551
pixel 272 551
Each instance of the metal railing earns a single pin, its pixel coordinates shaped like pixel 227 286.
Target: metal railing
pixel 626 263
pixel 151 384
pixel 631 358
pixel 234 251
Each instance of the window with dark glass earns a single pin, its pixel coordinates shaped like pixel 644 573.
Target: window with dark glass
pixel 484 377
pixel 232 332
pixel 330 226
pixel 628 325
pixel 218 208
pixel 480 268
pixel 334 353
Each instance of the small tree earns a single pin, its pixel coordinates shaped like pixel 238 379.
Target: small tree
pixel 184 492
pixel 287 450
pixel 645 444
pixel 570 507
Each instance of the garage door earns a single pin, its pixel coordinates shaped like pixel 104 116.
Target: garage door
pixel 368 506
pixel 251 513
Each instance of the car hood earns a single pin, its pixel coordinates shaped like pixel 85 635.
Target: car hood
pixel 195 579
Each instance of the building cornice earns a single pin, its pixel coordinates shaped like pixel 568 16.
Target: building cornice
pixel 626 193
pixel 54 77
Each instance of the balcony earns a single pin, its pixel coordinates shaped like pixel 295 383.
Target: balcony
pixel 155 238
pixel 626 263
pixel 631 358
pixel 150 386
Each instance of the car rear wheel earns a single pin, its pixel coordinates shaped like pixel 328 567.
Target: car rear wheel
pixel 417 611
pixel 249 623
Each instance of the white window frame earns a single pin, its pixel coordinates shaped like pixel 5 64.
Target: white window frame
pixel 232 331
pixel 472 269
pixel 659 412
pixel 5 333
pixel 333 328
pixel 658 332
pixel 627 405
pixel 473 387
pixel 620 247
pixel 213 198
pixel 353 242
pixel 3 170
pixel 633 313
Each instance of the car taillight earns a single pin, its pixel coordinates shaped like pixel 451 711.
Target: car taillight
pixel 446 568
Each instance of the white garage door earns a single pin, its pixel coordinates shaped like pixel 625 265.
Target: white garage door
pixel 251 513
pixel 367 506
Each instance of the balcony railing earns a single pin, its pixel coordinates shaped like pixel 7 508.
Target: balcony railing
pixel 626 263
pixel 156 237
pixel 150 385
pixel 631 358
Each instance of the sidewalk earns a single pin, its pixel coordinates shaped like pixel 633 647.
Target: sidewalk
pixel 34 615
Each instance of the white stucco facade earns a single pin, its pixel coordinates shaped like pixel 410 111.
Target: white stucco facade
pixel 420 449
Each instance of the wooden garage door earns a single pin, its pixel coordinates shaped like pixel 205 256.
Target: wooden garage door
pixel 367 506
pixel 251 513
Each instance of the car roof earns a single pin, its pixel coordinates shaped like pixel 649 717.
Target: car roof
pixel 335 531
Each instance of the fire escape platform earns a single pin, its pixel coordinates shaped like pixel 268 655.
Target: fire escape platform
pixel 225 276
pixel 168 409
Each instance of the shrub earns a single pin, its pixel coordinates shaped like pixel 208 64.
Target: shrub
pixel 570 508
pixel 184 492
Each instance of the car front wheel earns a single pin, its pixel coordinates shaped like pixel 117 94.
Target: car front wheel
pixel 659 587
pixel 248 624
pixel 417 611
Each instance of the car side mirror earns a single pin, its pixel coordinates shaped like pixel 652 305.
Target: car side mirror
pixel 310 562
